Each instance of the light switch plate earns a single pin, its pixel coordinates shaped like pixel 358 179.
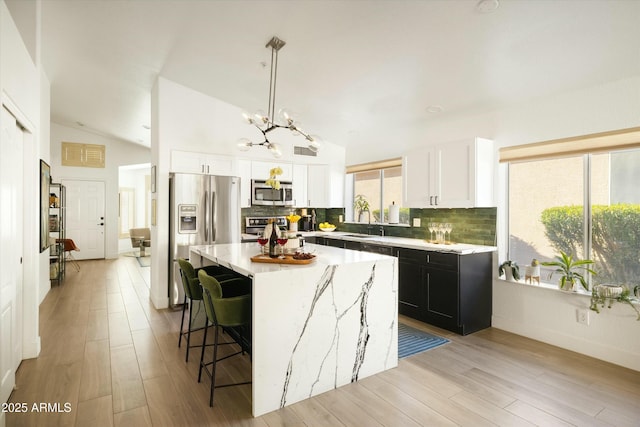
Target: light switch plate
pixel 340 218
pixel 416 222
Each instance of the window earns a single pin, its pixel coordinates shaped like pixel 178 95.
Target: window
pixel 379 187
pixel 127 211
pixel 587 205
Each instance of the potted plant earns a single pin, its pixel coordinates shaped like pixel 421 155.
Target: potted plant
pixel 568 268
pixel 532 272
pixel 360 205
pixel 510 269
pixel 608 294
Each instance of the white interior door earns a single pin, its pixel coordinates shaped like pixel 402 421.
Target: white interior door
pixel 11 213
pixel 85 217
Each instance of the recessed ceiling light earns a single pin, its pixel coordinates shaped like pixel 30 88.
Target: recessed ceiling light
pixel 487 6
pixel 435 109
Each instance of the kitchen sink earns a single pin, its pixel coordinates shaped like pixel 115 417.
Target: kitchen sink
pixel 360 236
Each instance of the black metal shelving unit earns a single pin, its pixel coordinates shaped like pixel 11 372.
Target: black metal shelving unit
pixel 57 217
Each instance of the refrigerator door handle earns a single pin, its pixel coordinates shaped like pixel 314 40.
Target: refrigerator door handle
pixel 206 217
pixel 213 217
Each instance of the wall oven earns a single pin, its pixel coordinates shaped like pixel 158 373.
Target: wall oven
pixel 264 195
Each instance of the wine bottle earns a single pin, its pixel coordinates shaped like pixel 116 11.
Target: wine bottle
pixel 273 240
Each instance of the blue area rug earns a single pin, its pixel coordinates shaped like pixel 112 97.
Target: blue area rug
pixel 144 261
pixel 412 341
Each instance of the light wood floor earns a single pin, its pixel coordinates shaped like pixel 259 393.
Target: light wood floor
pixel 115 360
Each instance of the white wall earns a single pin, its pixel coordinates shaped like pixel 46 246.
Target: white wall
pixel 23 90
pixel 541 314
pixel 118 153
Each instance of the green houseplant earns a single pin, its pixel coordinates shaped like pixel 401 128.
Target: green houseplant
pixel 602 295
pixel 510 269
pixel 569 270
pixel 360 205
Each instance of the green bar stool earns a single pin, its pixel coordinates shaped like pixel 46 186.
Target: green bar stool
pixel 228 306
pixel 193 292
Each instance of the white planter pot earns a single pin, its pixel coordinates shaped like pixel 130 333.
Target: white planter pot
pixel 532 274
pixel 508 273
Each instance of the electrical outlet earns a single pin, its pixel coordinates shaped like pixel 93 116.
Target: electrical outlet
pixel 416 222
pixel 582 315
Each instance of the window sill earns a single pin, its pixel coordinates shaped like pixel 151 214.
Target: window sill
pixel 547 286
pixel 555 288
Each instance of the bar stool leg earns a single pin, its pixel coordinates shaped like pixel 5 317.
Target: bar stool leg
pixel 182 320
pixel 204 346
pixel 189 329
pixel 213 368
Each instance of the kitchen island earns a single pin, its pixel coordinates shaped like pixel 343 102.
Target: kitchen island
pixel 318 326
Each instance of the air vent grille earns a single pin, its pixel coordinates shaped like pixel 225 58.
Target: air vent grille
pixel 304 151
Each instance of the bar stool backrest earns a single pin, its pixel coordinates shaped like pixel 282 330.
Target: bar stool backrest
pixel 190 281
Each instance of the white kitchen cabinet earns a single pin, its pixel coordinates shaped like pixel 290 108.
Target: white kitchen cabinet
pixel 300 185
pixel 260 170
pixel 243 170
pixel 318 186
pixel 203 163
pixel 325 187
pixel 452 175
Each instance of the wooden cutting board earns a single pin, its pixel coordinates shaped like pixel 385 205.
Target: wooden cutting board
pixel 288 259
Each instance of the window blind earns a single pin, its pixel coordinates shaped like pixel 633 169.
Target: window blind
pixel 622 139
pixel 383 164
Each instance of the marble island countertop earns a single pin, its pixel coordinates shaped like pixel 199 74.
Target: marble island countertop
pixel 237 257
pixel 314 327
pixel 400 242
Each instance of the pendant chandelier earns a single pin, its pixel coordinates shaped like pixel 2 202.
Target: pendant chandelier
pixel 266 122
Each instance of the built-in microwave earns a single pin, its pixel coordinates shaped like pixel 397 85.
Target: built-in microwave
pixel 263 195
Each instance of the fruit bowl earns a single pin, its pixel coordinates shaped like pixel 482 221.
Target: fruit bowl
pixel 327 229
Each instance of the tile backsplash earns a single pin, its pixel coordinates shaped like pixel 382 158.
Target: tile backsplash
pixel 474 225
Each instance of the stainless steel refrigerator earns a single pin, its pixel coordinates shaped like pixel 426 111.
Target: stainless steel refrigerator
pixel 203 210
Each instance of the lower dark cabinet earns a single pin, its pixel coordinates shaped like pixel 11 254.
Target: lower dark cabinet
pixel 410 290
pixel 447 290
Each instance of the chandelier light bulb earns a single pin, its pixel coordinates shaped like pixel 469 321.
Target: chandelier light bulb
pixel 247 118
pixel 286 117
pixel 261 119
pixel 314 143
pixel 275 150
pixel 244 144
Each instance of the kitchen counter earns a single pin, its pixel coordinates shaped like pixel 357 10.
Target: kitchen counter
pixel 318 326
pixel 399 242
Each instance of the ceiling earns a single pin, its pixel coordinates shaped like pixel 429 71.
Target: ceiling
pixel 357 72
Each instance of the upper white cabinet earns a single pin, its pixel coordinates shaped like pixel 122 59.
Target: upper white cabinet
pixel 243 170
pixel 300 186
pixel 452 175
pixel 325 188
pixel 318 186
pixel 260 170
pixel 191 162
